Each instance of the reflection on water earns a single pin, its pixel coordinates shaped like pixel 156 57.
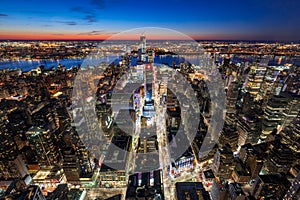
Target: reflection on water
pixel 163 59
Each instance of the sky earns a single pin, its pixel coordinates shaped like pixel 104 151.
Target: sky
pixel 99 19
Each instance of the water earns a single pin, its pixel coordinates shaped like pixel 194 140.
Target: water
pixel 169 60
pixel 29 65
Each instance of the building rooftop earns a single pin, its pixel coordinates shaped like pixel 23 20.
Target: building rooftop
pixel 191 190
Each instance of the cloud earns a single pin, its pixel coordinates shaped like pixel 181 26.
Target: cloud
pixel 89 15
pixel 80 10
pixel 58 34
pixel 100 32
pixel 90 18
pixel 3 15
pixel 99 4
pixel 70 23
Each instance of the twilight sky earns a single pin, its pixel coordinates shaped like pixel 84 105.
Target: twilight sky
pixel 98 19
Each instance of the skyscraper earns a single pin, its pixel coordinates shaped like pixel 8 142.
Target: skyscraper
pixel 291 134
pixel 142 48
pixel 271 186
pixel 273 115
pixel 71 165
pixel 256 77
pixel 41 140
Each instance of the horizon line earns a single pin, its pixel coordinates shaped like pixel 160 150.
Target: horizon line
pixel 198 40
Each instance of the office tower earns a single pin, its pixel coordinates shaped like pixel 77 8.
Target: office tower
pixel 249 128
pixel 163 87
pixel 8 149
pixel 291 134
pixel 266 89
pixel 71 165
pixel 291 83
pixel 151 56
pixel 191 190
pixel 241 173
pixel 11 162
pixel 13 168
pixel 280 158
pixel 229 135
pixel 246 103
pixel 147 151
pixel 271 186
pixel 232 96
pixel 31 193
pixel 223 163
pixel 149 80
pixel 41 139
pixel 114 170
pixel 62 118
pixel 173 118
pixel 291 111
pixel 171 100
pixel 60 193
pixel 149 87
pixel 140 70
pixel 225 65
pixel 236 192
pixel 273 115
pixel 44 115
pixel 253 158
pixel 19 123
pixel 142 48
pixel 256 78
pixel 219 190
pixel 293 192
pixel 146 185
pixel 84 159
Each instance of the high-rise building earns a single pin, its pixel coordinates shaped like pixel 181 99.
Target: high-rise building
pixel 280 158
pixel 223 163
pixel 71 165
pixel 31 193
pixel 151 56
pixel 149 79
pixel 266 89
pixel 271 186
pixel 219 190
pixel 13 168
pixel 142 48
pixel 191 190
pixel 293 192
pixel 41 140
pixel 232 96
pixel 8 150
pixel 114 170
pixel 291 110
pixel 253 158
pixel 248 128
pixel 229 136
pixel 241 173
pixel 291 134
pixel 273 115
pixel 236 192
pixel 256 78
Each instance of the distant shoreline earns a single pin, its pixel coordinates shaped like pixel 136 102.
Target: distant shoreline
pixel 225 41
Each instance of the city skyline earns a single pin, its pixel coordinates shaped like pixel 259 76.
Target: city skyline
pixel 99 19
pixel 161 127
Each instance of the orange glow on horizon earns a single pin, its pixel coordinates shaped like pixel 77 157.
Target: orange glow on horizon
pixel 72 36
pixel 50 36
